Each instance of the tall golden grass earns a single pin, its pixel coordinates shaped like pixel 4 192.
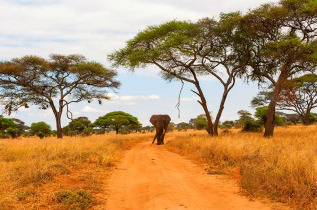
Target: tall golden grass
pixel 283 168
pixel 27 164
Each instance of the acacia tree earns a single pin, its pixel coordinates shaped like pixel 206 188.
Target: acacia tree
pixel 53 83
pixel 117 120
pixel 41 129
pixel 298 95
pixel 7 128
pixel 77 126
pixel 281 42
pixel 184 51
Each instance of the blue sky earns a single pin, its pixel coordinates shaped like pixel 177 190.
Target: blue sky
pixel 98 27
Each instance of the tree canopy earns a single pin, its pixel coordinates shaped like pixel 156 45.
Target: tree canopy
pixel 41 129
pixel 76 126
pixel 8 128
pixel 116 120
pixel 53 83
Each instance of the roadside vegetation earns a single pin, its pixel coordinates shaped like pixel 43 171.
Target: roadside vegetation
pixel 282 168
pixel 58 173
pixel 72 172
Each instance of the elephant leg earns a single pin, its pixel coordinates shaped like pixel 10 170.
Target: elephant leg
pixel 163 135
pixel 154 138
pixel 159 139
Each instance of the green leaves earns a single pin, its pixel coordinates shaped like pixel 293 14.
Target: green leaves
pixel 41 129
pixel 116 120
pixel 156 43
pixel 35 80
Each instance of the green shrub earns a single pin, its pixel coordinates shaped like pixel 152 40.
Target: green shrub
pixel 26 134
pixel 40 134
pixel 87 131
pixel 13 132
pixel 226 126
pixel 252 126
pixel 100 131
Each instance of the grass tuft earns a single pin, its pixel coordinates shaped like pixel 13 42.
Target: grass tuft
pixel 74 199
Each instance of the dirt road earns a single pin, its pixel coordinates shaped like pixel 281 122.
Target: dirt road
pixel 150 177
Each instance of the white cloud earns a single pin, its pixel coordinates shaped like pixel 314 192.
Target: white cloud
pixel 36 113
pixel 132 97
pixel 93 28
pixel 92 110
pixel 153 97
pixel 189 99
pixel 120 103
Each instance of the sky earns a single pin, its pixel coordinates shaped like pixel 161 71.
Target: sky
pixel 97 28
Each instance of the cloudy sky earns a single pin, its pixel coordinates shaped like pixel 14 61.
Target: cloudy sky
pixel 95 29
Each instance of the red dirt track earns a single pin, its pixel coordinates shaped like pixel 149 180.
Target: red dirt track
pixel 150 177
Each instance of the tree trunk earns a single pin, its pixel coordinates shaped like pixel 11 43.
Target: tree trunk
pixel 220 110
pixel 270 117
pixel 59 126
pixel 117 130
pixel 209 128
pixel 305 118
pixel 203 103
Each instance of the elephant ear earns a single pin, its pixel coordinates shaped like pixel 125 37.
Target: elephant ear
pixel 153 119
pixel 167 119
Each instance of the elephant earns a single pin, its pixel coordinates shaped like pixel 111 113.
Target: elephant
pixel 160 123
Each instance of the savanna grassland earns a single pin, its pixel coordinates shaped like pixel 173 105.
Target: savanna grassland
pixel 282 168
pixel 59 173
pixel 72 172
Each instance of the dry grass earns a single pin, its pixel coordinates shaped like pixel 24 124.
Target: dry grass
pixel 58 173
pixel 71 173
pixel 283 168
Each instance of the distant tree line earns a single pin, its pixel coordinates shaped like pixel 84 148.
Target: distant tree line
pixel 123 123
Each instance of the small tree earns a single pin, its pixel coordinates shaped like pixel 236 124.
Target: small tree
pixel 261 115
pixel 116 120
pixel 41 129
pixel 78 125
pixel 8 128
pixel 243 117
pixel 300 96
pixel 53 83
pixel 251 125
pixel 201 122
pixel 183 126
pixel 20 126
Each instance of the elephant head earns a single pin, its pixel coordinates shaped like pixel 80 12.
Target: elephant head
pixel 160 123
